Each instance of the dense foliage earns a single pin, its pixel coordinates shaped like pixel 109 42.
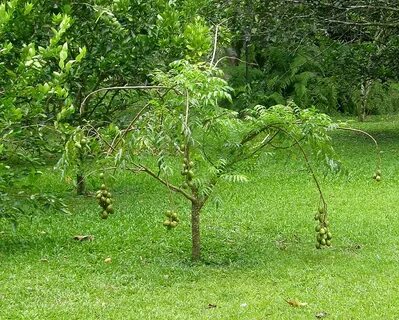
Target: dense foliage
pixel 206 85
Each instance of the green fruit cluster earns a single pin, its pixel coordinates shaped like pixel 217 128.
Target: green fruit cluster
pixel 188 172
pixel 104 198
pixel 377 175
pixel 323 235
pixel 172 219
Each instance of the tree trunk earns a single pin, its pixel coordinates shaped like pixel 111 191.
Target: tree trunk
pixel 80 184
pixel 80 177
pixel 195 230
pixel 364 95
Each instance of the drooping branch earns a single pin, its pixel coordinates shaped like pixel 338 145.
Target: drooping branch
pixel 377 147
pixel 234 58
pixel 118 88
pixel 305 156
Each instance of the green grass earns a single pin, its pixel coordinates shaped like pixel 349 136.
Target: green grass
pixel 258 247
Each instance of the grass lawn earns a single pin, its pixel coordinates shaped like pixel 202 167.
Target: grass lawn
pixel 258 247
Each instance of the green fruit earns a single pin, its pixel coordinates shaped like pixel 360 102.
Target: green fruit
pixel 168 213
pixel 318 246
pixel 104 215
pixel 329 235
pixel 109 195
pixel 103 187
pixel 317 228
pixel 323 242
pixel 321 209
pixel 101 175
pixel 326 223
pixel 321 217
pixel 83 141
pixel 173 215
pixel 103 199
pixel 166 223
pixel 108 201
pixel 173 224
pixel 322 231
pixel 105 192
pixel 110 209
pixel 328 243
pixel 98 196
pixel 378 178
pixel 190 174
pixel 191 164
pixel 184 185
pixel 316 217
pixel 378 172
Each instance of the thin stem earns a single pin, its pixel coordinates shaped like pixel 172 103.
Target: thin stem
pixel 119 88
pixel 215 43
pixel 305 156
pixel 234 58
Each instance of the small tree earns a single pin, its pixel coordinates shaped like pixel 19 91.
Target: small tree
pixel 186 123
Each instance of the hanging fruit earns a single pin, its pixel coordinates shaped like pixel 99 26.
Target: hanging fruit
pixel 172 219
pixel 104 198
pixel 323 235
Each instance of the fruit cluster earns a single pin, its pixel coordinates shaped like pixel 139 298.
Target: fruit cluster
pixel 104 198
pixel 324 236
pixel 377 175
pixel 172 219
pixel 188 172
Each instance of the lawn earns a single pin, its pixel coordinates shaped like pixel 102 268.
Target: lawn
pixel 258 246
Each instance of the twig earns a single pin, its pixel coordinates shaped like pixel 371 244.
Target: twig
pixel 215 43
pixel 235 58
pixel 119 88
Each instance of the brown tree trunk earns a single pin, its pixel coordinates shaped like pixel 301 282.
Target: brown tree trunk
pixel 364 95
pixel 80 177
pixel 195 230
pixel 80 184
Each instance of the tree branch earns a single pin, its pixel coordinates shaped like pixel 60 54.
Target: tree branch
pixel 215 43
pixel 163 181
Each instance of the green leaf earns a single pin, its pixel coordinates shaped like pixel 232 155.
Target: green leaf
pixel 63 55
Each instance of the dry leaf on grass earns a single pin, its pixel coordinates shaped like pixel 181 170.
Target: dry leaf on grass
pixel 84 238
pixel 107 260
pixel 296 303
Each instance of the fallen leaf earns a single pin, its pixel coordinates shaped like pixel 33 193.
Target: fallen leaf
pixel 83 238
pixel 296 303
pixel 321 314
pixel 210 306
pixel 107 260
